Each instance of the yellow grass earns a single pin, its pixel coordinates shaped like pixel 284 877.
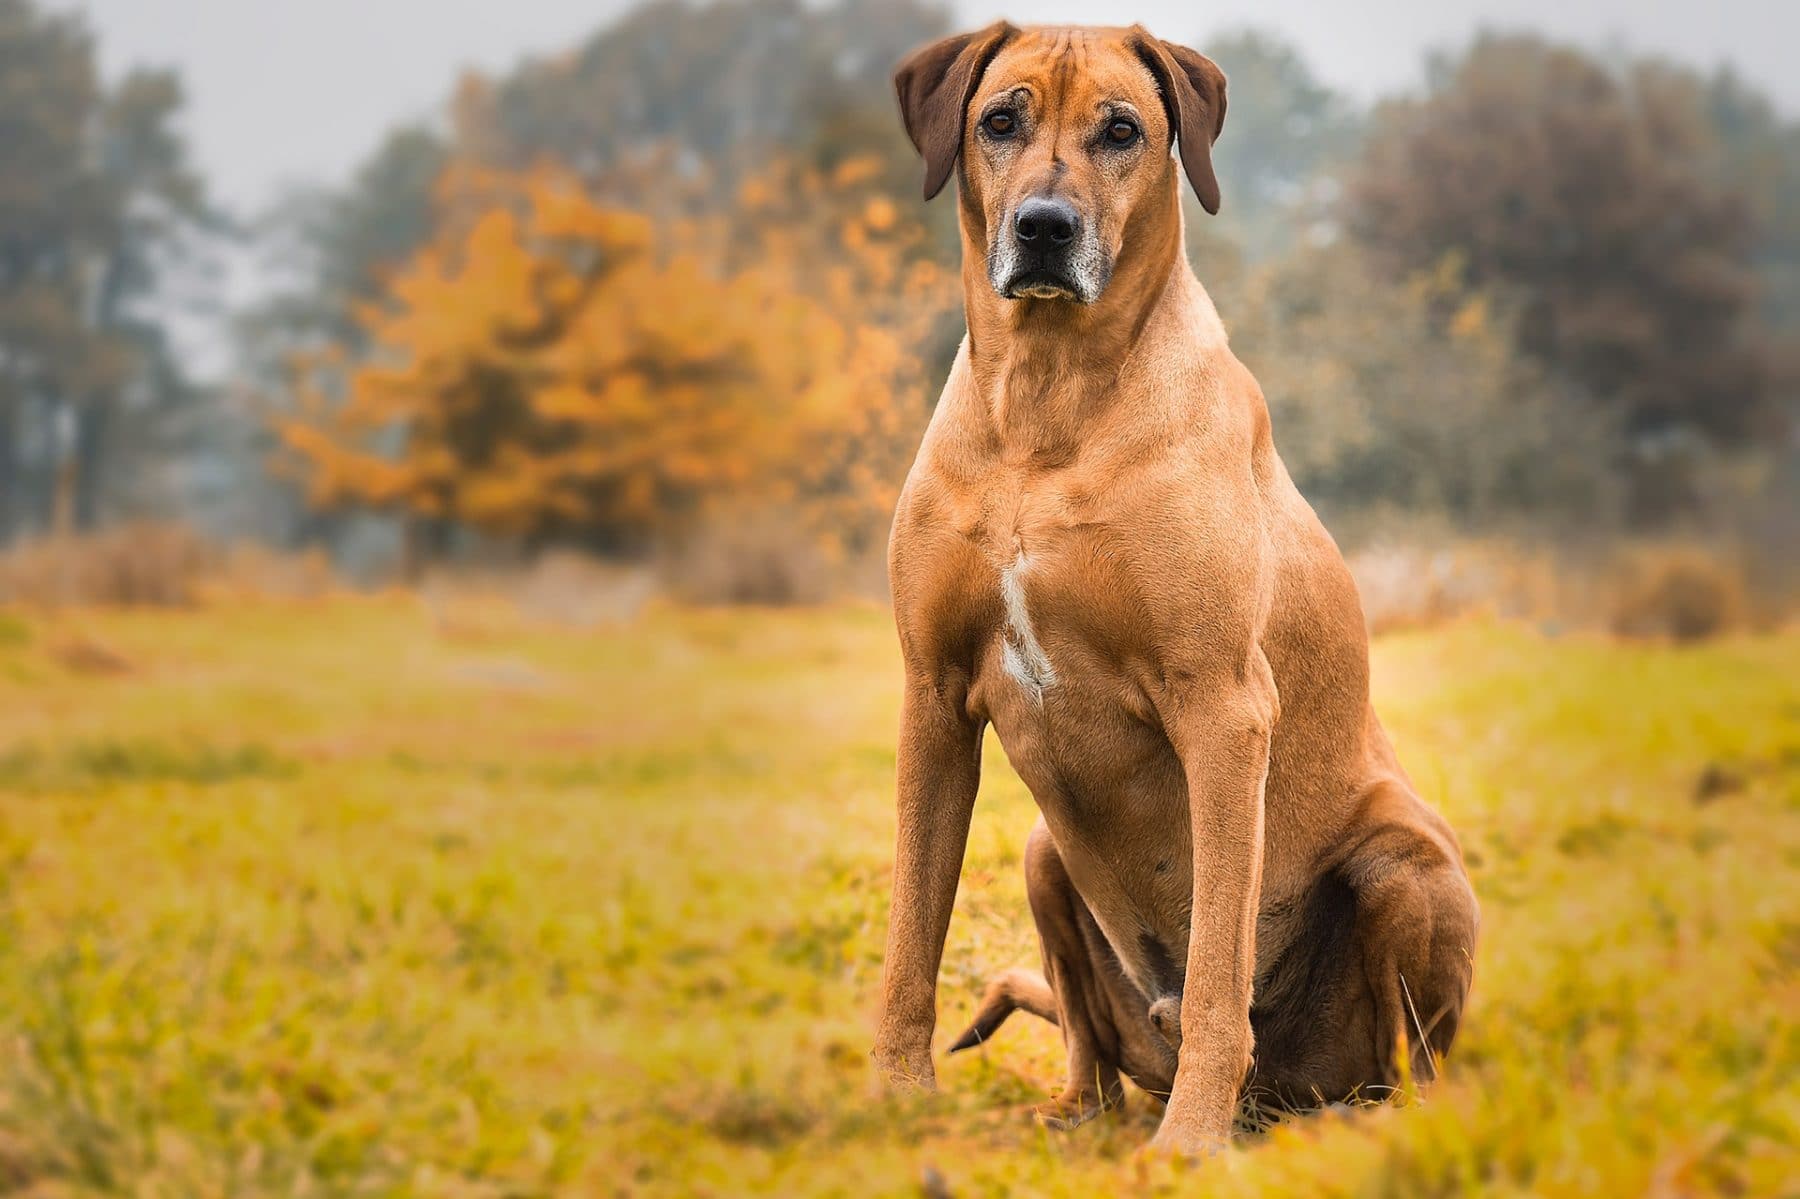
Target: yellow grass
pixel 352 897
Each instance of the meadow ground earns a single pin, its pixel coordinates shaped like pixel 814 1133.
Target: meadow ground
pixel 354 897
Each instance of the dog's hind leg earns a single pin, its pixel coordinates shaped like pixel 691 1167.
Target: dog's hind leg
pixel 1382 966
pixel 1104 1017
pixel 1012 991
pixel 1417 924
pixel 1084 990
pixel 1068 934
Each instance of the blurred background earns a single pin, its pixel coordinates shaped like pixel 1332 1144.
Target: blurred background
pixel 447 693
pixel 420 287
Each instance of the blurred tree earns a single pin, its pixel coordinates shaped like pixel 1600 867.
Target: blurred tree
pixel 727 85
pixel 159 210
pixel 668 95
pixel 1599 203
pixel 547 370
pixel 666 110
pixel 1408 396
pixel 334 249
pixel 329 252
pixel 95 194
pixel 1285 133
pixel 1763 158
pixel 670 107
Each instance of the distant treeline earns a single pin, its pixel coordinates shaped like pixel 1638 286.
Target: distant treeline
pixel 676 280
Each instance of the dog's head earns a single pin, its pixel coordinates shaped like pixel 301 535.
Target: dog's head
pixel 1064 137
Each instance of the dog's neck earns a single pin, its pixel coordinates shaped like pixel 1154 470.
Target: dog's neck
pixel 1048 369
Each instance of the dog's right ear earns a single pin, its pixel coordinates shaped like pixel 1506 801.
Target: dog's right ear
pixel 935 85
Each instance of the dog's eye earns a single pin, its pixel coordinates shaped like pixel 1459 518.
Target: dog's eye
pixel 1000 124
pixel 1121 132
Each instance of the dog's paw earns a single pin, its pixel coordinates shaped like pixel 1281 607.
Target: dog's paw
pixel 1191 1135
pixel 902 1073
pixel 1071 1109
pixel 1185 1144
pixel 1165 1017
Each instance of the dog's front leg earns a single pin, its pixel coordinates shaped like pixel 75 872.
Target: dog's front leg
pixel 939 773
pixel 1222 736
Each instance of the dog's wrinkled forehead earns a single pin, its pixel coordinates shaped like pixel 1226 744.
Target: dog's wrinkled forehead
pixel 1074 73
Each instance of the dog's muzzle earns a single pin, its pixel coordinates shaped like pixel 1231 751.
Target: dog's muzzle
pixel 1047 253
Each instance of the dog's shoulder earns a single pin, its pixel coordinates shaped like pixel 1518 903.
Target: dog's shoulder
pixel 933 550
pixel 949 465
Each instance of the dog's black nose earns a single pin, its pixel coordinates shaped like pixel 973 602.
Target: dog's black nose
pixel 1043 221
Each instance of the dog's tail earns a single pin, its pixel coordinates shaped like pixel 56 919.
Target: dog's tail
pixel 1013 990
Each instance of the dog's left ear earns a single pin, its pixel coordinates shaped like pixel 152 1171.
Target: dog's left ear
pixel 1193 91
pixel 935 85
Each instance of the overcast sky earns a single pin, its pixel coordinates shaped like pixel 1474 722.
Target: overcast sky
pixel 300 90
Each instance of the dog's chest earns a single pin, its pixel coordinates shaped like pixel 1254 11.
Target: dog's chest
pixel 1049 641
pixel 1022 653
pixel 1057 567
pixel 1063 677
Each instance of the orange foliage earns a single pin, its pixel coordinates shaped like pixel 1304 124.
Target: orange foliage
pixel 555 368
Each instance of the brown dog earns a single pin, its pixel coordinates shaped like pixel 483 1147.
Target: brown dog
pixel 1237 890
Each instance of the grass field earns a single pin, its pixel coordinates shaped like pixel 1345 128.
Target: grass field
pixel 355 898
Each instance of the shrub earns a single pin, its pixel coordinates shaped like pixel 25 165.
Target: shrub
pixel 152 565
pixel 1655 590
pixel 762 559
pixel 1680 593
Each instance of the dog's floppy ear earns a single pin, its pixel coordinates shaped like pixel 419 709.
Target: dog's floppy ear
pixel 1193 91
pixel 934 86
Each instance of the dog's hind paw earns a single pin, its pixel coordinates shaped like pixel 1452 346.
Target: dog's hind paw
pixel 1070 1110
pixel 1165 1017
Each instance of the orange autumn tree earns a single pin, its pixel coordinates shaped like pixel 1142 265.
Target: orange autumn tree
pixel 836 236
pixel 552 368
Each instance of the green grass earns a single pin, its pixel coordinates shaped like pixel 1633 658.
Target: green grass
pixel 342 899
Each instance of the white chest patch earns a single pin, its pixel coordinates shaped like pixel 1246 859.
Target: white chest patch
pixel 1022 655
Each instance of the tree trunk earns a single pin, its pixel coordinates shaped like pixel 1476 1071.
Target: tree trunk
pixel 62 470
pixel 426 541
pixel 9 477
pixel 90 445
